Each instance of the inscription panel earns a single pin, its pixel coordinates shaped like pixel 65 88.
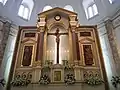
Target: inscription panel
pixel 29 35
pixel 83 34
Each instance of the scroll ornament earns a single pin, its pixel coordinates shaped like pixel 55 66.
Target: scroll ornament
pixel 22 80
pixel 2 82
pixel 115 81
pixel 93 79
pixel 44 79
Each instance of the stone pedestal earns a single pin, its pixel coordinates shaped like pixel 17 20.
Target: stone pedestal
pixel 36 74
pixel 77 74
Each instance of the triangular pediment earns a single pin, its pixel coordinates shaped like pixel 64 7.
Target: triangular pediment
pixel 57 10
pixel 84 40
pixel 28 40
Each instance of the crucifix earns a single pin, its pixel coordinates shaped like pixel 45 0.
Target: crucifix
pixel 57 34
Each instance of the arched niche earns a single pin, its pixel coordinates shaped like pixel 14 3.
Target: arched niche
pixel 52 45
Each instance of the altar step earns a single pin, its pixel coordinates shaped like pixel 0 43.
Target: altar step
pixel 59 87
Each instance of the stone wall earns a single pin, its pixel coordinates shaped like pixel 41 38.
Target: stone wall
pixel 4 33
pixel 8 33
pixel 107 53
pixel 116 25
pixel 109 33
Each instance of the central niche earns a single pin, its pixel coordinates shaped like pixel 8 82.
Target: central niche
pixel 52 45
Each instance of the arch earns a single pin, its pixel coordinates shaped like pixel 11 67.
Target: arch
pixel 90 8
pixel 47 8
pixel 111 1
pixel 69 7
pixel 23 11
pixel 3 1
pixel 57 24
pixel 26 8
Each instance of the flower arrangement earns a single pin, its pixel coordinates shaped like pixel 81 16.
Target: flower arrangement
pixel 93 80
pixel 2 82
pixel 69 79
pixel 44 79
pixel 68 67
pixel 22 80
pixel 115 81
pixel 46 69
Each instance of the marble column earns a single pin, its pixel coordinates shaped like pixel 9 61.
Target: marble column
pixel 74 44
pixel 1 38
pixel 73 25
pixel 41 29
pixel 112 40
pixel 40 44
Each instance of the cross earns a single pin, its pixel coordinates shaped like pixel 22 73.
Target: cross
pixel 57 34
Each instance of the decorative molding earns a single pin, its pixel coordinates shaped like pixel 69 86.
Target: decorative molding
pixel 116 22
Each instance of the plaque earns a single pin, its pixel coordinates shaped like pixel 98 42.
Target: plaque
pixel 57 75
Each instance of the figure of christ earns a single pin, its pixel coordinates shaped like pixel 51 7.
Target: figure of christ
pixel 57 34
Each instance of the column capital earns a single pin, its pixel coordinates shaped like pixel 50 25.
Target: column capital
pixel 73 28
pixel 41 22
pixel 41 29
pixel 73 20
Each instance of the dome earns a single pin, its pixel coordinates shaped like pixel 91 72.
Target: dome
pixel 89 11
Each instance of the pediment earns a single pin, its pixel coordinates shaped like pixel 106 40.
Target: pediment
pixel 28 40
pixel 84 40
pixel 58 66
pixel 56 10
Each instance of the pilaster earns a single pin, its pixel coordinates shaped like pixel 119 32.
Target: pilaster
pixel 4 34
pixel 112 40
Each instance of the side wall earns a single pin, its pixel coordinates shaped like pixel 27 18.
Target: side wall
pixel 8 33
pixel 109 33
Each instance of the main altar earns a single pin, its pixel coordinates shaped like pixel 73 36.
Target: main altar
pixel 59 50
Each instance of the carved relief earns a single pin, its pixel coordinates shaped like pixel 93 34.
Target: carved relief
pixel 88 55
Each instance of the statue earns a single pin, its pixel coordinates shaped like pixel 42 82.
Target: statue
pixel 57 34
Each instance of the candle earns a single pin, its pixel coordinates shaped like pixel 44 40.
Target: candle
pixel 68 54
pixel 47 54
pixel 50 55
